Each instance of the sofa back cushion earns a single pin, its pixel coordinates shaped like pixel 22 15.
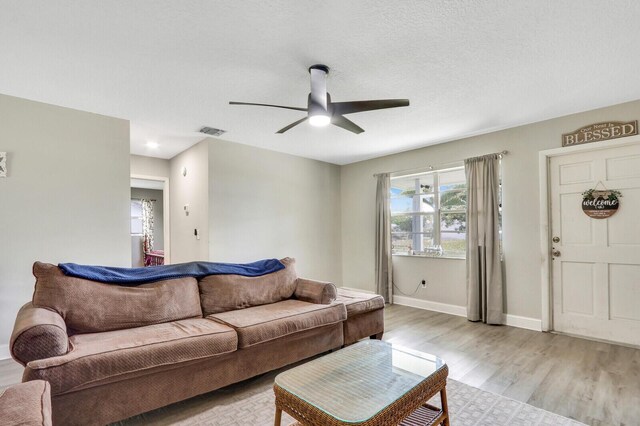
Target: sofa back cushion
pixel 90 306
pixel 221 293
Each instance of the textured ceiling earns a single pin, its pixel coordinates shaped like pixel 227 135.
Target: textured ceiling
pixel 468 67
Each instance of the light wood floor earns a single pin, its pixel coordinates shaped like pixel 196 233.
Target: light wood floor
pixel 596 383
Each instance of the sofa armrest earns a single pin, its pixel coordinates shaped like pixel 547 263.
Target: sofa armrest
pixel 315 291
pixel 38 334
pixel 26 403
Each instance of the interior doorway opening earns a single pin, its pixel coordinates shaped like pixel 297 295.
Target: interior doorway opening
pixel 149 228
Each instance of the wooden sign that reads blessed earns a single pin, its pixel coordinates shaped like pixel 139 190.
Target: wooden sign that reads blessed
pixel 600 132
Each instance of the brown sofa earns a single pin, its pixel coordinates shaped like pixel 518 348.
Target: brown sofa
pixel 110 352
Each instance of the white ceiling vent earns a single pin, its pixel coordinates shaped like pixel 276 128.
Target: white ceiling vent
pixel 212 131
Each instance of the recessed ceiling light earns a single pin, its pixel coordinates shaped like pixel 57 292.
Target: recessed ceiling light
pixel 152 144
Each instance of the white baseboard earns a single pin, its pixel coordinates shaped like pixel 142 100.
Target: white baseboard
pixel 522 322
pixel 4 352
pixel 359 290
pixel 461 311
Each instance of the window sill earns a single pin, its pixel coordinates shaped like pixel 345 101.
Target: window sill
pixel 424 256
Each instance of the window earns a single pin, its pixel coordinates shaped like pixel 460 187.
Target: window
pixel 136 217
pixel 428 214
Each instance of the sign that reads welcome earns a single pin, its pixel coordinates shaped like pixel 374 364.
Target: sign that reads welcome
pixel 600 132
pixel 600 204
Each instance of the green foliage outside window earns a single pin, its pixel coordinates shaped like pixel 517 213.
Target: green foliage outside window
pixel 454 200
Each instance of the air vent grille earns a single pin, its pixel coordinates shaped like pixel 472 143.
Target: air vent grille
pixel 212 131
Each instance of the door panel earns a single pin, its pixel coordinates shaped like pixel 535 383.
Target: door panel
pixel 576 173
pixel 624 281
pixel 623 167
pixel 577 288
pixel 575 227
pixel 620 233
pixel 596 269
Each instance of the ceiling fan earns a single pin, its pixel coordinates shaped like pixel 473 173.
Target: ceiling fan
pixel 321 111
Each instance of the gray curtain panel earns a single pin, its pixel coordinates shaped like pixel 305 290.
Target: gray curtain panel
pixel 484 269
pixel 384 268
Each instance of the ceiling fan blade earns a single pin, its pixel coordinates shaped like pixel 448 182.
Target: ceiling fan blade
pixel 268 105
pixel 346 124
pixel 294 124
pixel 361 106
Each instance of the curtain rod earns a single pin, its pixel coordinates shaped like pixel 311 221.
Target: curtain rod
pixel 439 167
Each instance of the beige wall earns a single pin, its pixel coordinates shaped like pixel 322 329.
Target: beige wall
pixel 149 166
pixel 266 204
pixel 446 277
pixel 192 189
pixel 66 198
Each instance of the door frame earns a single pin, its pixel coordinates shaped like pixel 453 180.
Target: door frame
pixel 545 215
pixel 166 228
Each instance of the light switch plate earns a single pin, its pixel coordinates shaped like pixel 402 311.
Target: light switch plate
pixel 3 164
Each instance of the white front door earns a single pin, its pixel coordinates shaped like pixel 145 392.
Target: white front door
pixel 596 266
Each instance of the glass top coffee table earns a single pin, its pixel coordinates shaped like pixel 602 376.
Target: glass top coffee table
pixel 368 383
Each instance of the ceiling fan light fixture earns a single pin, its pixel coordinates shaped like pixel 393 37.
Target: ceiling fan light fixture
pixel 319 120
pixel 321 111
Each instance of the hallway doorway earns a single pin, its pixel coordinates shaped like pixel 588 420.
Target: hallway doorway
pixel 150 242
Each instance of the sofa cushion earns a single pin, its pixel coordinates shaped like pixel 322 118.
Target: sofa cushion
pixel 221 293
pixel 359 303
pixel 89 306
pixel 267 322
pixel 116 355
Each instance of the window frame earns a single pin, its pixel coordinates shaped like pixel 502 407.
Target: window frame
pixel 437 213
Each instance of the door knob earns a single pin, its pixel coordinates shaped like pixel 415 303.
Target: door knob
pixel 555 253
pixel 556 239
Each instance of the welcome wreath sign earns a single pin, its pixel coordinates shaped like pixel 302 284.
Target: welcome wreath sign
pixel 600 204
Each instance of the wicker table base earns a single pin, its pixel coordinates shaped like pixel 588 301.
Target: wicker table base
pixel 427 415
pixel 410 410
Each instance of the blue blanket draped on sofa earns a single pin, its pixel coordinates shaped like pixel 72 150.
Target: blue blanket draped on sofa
pixel 135 276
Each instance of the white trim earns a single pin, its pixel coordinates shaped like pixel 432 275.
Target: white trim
pixel 545 212
pixel 522 322
pixel 595 339
pixel 461 311
pixel 429 305
pixel 4 352
pixel 359 290
pixel 545 244
pixel 166 211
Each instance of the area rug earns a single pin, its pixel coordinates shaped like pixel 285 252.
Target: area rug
pixel 251 403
